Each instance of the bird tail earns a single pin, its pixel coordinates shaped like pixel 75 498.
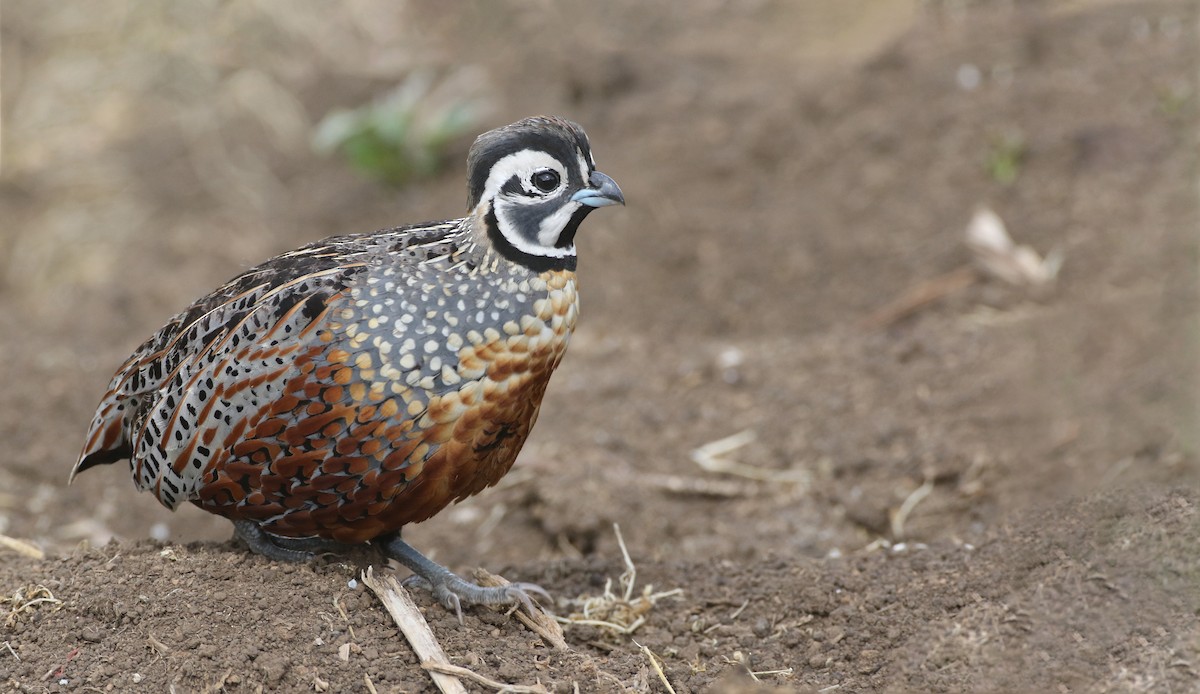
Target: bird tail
pixel 106 442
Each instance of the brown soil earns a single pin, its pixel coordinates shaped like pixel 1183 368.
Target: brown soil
pixel 791 168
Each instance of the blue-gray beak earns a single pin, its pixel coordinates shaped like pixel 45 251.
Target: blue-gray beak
pixel 604 191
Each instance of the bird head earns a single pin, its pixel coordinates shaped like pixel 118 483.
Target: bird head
pixel 532 183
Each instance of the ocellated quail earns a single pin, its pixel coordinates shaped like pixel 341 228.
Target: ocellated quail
pixel 338 392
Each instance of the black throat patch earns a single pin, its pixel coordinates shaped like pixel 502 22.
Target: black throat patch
pixel 537 263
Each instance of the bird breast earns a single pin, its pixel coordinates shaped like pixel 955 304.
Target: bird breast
pixel 412 398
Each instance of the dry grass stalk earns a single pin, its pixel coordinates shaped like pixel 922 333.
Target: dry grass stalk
pixel 500 687
pixel 22 547
pixel 901 515
pixel 157 645
pixel 921 295
pixel 658 669
pixel 414 627
pixel 699 486
pixel 710 457
pixel 26 600
pixel 407 616
pixel 623 613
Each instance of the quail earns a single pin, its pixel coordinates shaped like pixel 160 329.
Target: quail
pixel 338 392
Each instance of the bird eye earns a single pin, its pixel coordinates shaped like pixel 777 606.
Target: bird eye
pixel 546 180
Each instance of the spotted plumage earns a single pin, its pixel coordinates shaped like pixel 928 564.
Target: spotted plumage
pixel 340 391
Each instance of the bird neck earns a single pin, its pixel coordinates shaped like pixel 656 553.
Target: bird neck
pixel 489 236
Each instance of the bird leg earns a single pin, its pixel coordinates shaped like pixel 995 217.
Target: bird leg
pixel 449 588
pixel 311 544
pixel 282 548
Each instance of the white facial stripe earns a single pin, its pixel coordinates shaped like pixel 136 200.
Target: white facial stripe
pixel 585 168
pixel 520 164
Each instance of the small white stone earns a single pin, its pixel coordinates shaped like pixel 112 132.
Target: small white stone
pixel 968 77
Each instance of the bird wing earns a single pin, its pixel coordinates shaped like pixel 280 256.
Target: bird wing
pixel 245 327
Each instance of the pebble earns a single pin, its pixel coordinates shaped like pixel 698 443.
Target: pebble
pixel 762 627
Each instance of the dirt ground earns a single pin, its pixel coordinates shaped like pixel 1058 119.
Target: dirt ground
pixel 994 492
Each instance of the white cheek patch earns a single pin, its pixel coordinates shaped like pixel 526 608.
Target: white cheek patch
pixel 553 225
pixel 542 240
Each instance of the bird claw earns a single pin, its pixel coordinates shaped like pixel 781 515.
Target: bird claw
pixel 449 600
pixel 454 591
pixel 417 581
pixel 531 588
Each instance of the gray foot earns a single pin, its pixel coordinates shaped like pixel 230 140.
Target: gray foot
pixel 261 542
pixel 311 544
pixel 282 548
pixel 452 590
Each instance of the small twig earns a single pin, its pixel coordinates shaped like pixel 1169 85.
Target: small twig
pixel 370 684
pixel 657 666
pixel 10 650
pixel 921 295
pixel 907 507
pixel 739 611
pixel 765 673
pixel 157 645
pixel 699 486
pixel 740 659
pixel 708 457
pixel 541 623
pixel 500 687
pixel 408 617
pixel 22 547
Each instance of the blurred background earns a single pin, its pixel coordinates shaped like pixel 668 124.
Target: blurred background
pixel 794 268
pixel 791 168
